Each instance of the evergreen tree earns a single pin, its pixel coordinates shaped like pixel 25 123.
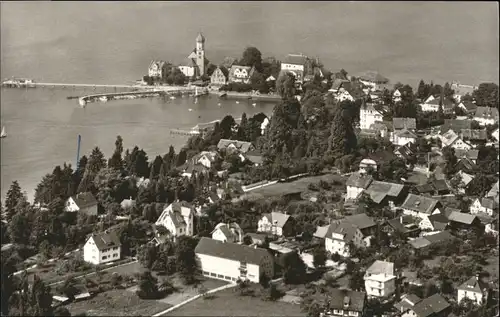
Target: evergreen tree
pixel 242 129
pixel 342 137
pixel 156 167
pixel 13 197
pixel 285 86
pixel 181 157
pixel 421 90
pixel 96 161
pixel 116 161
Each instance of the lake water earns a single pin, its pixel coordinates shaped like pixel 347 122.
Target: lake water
pixel 113 43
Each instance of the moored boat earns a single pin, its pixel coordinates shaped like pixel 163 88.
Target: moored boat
pixel 3 134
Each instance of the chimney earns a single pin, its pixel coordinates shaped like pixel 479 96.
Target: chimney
pixel 346 302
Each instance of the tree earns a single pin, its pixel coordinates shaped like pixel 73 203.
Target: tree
pixel 13 197
pixel 451 161
pixel 61 312
pixel 247 240
pixel 19 229
pixel 116 161
pixel 148 255
pixel 356 281
pixel 96 161
pixel 294 268
pixel 137 163
pixel 480 185
pixel 342 137
pixel 319 257
pixel 252 57
pixel 148 288
pixel 486 95
pixel 185 258
pixel 285 86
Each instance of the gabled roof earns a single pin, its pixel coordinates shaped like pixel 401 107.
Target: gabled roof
pixel 404 123
pixel 277 217
pixel 295 59
pixel 406 151
pixel 403 227
pixel 493 191
pixel 455 125
pixel 449 137
pixel 461 217
pixel 474 284
pixel 84 200
pixel 337 83
pixel 466 178
pixel 430 306
pixel 321 231
pixel 425 188
pixel 362 221
pixel 420 204
pixel 374 77
pixel 439 237
pixel 381 267
pixel 407 302
pixel 469 106
pixel 359 180
pixel 466 164
pixel 222 69
pixel 231 251
pixel 343 299
pixel 471 154
pixel 233 69
pixel 486 112
pixel 240 145
pixel 346 229
pixel 488 203
pixel 404 133
pixel 106 239
pixel 379 190
pixel 439 221
pixel 469 134
pixel 440 184
pixel 159 63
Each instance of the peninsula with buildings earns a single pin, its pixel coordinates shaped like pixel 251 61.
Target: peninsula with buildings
pixel 356 197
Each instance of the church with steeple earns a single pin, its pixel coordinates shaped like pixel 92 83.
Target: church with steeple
pixel 196 63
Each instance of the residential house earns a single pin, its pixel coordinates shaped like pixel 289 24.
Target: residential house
pixel 380 279
pixel 339 235
pixel 102 248
pixel 434 104
pixel 460 220
pixel 406 303
pixel 490 224
pixel 493 193
pixel 468 107
pixel 206 158
pixel 178 218
pixel 357 183
pixel 403 137
pixel 456 125
pixel 295 64
pixel 277 223
pixel 485 205
pixel 128 203
pixel 367 164
pixel 436 222
pixel 386 193
pixel 344 302
pixel 453 140
pixel 396 96
pixel 433 306
pixel 495 135
pixel 191 168
pixel 82 202
pixel 426 241
pixel 372 79
pixel 364 223
pixel 486 116
pixel 465 180
pixel 404 225
pixel 235 145
pixel 474 137
pixel 233 262
pixel 406 152
pixel 255 157
pixel 349 91
pixel 157 69
pixel 239 74
pixel 228 232
pixel 461 90
pixel 219 77
pixel 369 115
pixel 420 206
pixel 466 165
pixel 409 124
pixel 474 289
pixel 469 154
pixel 379 129
pixel 337 84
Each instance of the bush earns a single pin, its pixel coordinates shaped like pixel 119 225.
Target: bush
pixel 272 293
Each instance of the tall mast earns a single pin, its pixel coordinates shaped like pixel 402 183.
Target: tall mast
pixel 78 150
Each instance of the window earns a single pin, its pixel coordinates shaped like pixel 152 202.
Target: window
pixel 115 248
pixel 338 312
pixel 104 257
pixel 353 313
pixel 115 255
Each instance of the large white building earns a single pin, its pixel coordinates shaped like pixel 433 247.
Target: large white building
pixel 178 219
pixel 295 64
pixel 369 115
pixel 231 261
pixel 380 279
pixel 474 289
pixel 196 63
pixel 102 248
pixel 483 205
pixel 486 115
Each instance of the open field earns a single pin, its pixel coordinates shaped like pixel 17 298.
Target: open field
pixel 298 185
pixel 117 303
pixel 229 303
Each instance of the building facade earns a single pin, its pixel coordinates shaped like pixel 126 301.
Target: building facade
pixel 369 115
pixel 178 218
pixel 102 248
pixel 380 280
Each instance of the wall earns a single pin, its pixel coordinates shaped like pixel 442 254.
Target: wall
pixel 226 268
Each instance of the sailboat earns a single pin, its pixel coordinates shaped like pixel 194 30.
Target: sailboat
pixel 3 134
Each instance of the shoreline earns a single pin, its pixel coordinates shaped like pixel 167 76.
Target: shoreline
pixel 244 95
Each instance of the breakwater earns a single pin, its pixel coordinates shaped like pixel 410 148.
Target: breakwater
pixel 134 95
pixel 248 96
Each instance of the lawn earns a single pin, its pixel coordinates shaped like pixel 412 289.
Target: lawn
pixel 117 303
pixel 229 303
pixel 299 185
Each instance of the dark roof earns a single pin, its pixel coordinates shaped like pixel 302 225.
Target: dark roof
pixel 401 227
pixel 232 251
pixel 342 227
pixel 296 59
pixel 379 190
pixel 85 200
pixel 488 203
pixel 439 221
pixel 359 180
pixel 440 184
pixel 240 145
pixel 448 210
pixel 455 125
pixel 465 164
pixel 430 306
pixel 106 239
pixel 404 123
pixel 420 204
pixel 461 217
pixel 425 188
pixel 474 284
pixel 339 298
pixel 406 151
pixel 224 70
pixel 469 134
pixel 469 106
pixel 362 221
pixel 337 83
pixel 472 154
pixel 439 237
pixel 374 77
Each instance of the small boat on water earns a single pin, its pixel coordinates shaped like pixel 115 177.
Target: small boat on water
pixel 237 102
pixel 3 134
pixel 172 97
pixel 190 109
pixel 218 104
pixel 103 99
pixel 254 104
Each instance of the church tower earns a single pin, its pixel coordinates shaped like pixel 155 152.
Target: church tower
pixel 200 53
